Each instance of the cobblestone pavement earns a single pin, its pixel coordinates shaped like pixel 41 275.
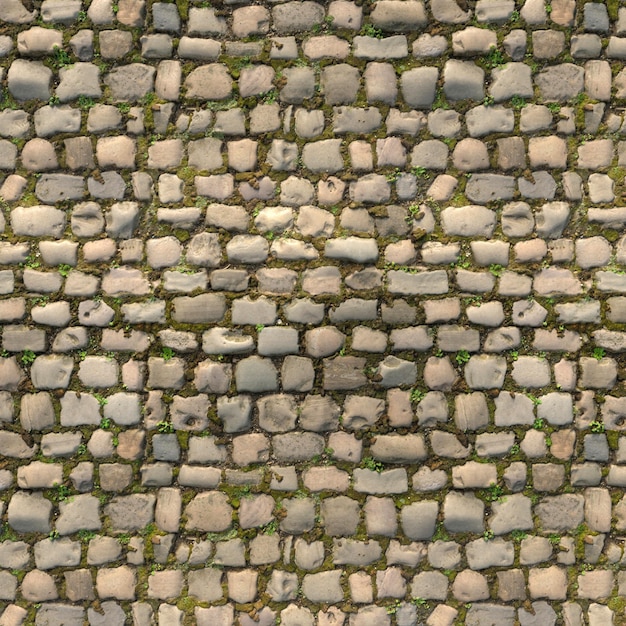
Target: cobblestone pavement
pixel 312 313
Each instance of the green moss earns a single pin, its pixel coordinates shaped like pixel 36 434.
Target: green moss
pixel 186 604
pixel 612 6
pixel 613 437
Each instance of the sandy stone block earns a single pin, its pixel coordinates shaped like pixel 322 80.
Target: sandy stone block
pixel 596 154
pixel 116 582
pixel 209 512
pixel 547 152
pixel 38 586
pixel 469 586
pixel 242 585
pixel 256 80
pixel 251 20
pixel 209 82
pixel 168 80
pixel 596 584
pixel 166 154
pixel 116 152
pixel 165 585
pixel 242 155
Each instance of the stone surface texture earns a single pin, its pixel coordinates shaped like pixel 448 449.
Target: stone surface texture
pixel 312 313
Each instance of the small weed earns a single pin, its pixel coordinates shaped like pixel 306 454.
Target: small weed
pixel 369 30
pixel 489 100
pixel 371 464
pixel 488 535
pixel 86 103
pixel 421 602
pixel 61 57
pixel 54 101
pixel 392 609
pixel 597 427
pixel 101 401
pixel 555 107
pixel 28 357
pixel 440 103
pixel 417 395
pixel 514 449
pixel 164 427
pixel 242 62
pixel 493 493
pixel 105 423
pixel 148 99
pixel 514 355
pixel 60 493
pixel 6 101
pixel 420 172
pixel 598 353
pixel 517 102
pixel 53 535
pixel 462 357
pixel 392 177
pixel 538 424
pixel 32 261
pixel 514 16
pixel 496 270
pixel 581 530
pixel 259 327
pixel 534 399
pixel 518 535
pixel 124 539
pixel 441 534
pixel 7 533
pixel 167 353
pixel 270 97
pixel 64 270
pixel 270 528
pixel 494 58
